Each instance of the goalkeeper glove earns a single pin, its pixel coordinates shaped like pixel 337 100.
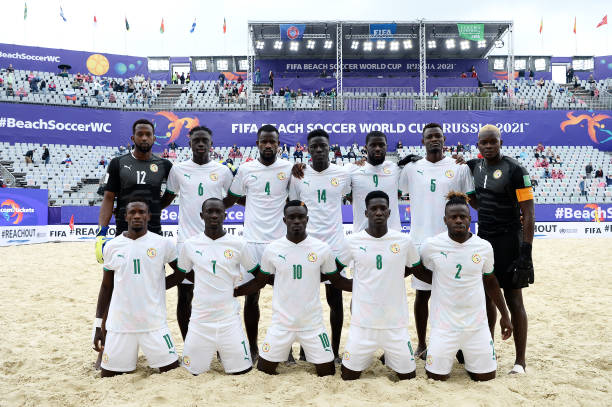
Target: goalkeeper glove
pixel 101 240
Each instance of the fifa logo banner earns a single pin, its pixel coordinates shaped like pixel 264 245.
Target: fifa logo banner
pixel 382 31
pixel 23 216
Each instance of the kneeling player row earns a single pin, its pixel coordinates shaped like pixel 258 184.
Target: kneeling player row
pixel 133 291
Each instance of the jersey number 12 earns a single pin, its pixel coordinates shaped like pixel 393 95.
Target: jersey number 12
pixel 140 177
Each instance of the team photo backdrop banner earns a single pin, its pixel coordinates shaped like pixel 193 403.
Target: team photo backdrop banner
pixel 48 59
pixel 23 216
pixel 590 212
pixel 72 125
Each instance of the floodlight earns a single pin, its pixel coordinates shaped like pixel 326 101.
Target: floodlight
pixel 311 44
pixel 278 44
pixel 328 44
pixel 260 44
pixel 294 45
pixel 380 44
pixel 482 43
pixel 355 45
pixel 394 45
pixel 367 45
pixel 450 43
pixel 465 44
pixel 407 44
pixel 431 44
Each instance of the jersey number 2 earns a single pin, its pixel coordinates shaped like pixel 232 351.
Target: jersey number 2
pixel 459 267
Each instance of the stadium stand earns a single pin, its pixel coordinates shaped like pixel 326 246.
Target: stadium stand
pixel 77 183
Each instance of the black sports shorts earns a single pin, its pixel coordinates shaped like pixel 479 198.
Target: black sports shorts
pixel 506 249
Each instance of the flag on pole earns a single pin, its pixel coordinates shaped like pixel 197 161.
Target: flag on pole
pixel 127 25
pixel 25 10
pixel 161 28
pixel 71 224
pixel 574 25
pixel 224 26
pixel 541 24
pixel 95 21
pixel 193 26
pixel 603 21
pixel 62 14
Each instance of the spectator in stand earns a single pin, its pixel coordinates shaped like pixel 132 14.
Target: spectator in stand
pixel 172 146
pixel 174 78
pixel 609 180
pixel 576 82
pixel 202 90
pixel 172 154
pixel 538 163
pixel 46 156
pixel 10 68
pixel 588 169
pixel 599 173
pixel 523 153
pixel 121 150
pixel 29 156
pixel 540 148
pixel 549 100
pixel 102 161
pixel 351 154
pixel 182 78
pixel 271 79
pixel 569 75
pixel 257 76
pixel 188 78
pixel 554 174
pixel 43 86
pixel 546 173
pixel 299 147
pixel 21 92
pixel 67 160
pixel 52 87
pixel 1 82
pixel 460 148
pixel 560 174
pixel 165 153
pixel 398 146
pixel 235 152
pixel 473 72
pixel 582 187
pixel 112 98
pixel 591 80
pixel 541 82
pixel 558 160
pixel 221 79
pixel 184 90
pixel 549 154
pixel 2 183
pixel 531 75
pixel 190 100
pixel 298 155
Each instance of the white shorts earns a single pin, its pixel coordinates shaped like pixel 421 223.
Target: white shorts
pixel 121 349
pixel 477 347
pixel 256 250
pixel 278 341
pixel 227 337
pixel 363 342
pixel 179 247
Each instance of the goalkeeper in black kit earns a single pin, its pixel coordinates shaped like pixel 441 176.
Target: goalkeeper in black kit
pixel 504 200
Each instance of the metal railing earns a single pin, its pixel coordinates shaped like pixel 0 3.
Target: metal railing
pixel 7 177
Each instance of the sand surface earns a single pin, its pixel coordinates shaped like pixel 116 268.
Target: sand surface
pixel 49 294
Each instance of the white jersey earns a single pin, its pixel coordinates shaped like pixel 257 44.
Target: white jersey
pixel 216 266
pixel 138 303
pixel 266 189
pixel 297 269
pixel 195 183
pixel 322 192
pixel 457 294
pixel 428 184
pixel 379 291
pixel 368 178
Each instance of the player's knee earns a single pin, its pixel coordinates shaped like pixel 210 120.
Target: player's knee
pixel 348 374
pixel 439 377
pixel 482 377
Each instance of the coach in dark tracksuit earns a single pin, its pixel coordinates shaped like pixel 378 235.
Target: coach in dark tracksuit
pixel 504 200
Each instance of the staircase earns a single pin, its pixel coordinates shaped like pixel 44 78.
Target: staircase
pixel 167 97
